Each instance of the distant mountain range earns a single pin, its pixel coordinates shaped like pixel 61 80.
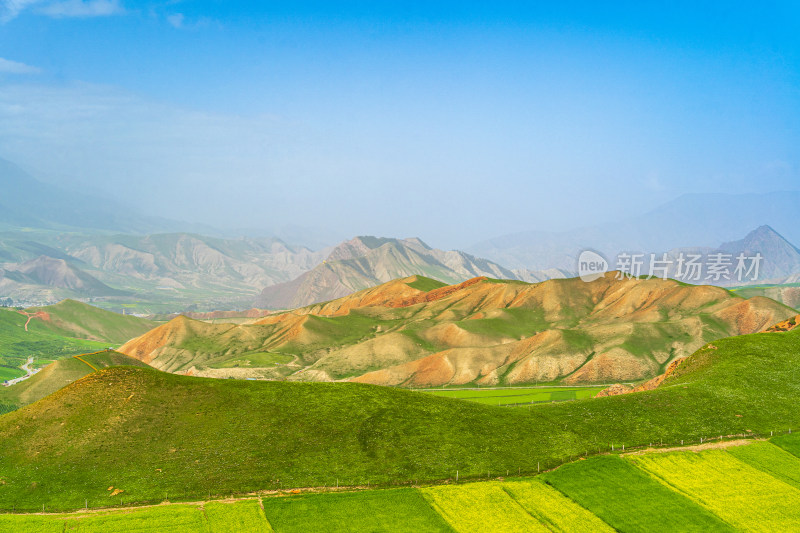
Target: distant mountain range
pixel 762 257
pixel 57 244
pixel 693 220
pixel 365 262
pixel 171 272
pixel 157 273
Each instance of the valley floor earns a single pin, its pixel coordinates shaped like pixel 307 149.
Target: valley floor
pixel 743 485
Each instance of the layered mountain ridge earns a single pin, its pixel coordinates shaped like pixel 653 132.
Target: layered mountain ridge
pixel 416 332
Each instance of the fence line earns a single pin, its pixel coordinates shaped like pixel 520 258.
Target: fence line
pixel 339 484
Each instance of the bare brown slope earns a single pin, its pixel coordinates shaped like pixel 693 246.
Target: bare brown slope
pixel 785 325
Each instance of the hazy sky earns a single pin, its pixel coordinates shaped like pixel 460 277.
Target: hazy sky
pixel 453 123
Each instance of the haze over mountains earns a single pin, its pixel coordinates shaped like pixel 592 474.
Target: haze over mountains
pixel 58 244
pixel 698 220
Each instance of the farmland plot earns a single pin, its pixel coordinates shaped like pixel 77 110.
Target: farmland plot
pixel 242 517
pixel 629 500
pixel 554 509
pixel 740 494
pixel 481 507
pixel 771 459
pixel 166 519
pixel 378 510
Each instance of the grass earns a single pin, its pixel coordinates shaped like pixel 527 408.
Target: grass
pixel 771 459
pixel 553 509
pixel 644 492
pixel 170 519
pixel 7 372
pixel 70 318
pixel 743 496
pixel 426 284
pixel 255 360
pixel 481 507
pixel 628 499
pixel 522 396
pixel 152 433
pixel 790 443
pixel 58 374
pixel 243 517
pixel 16 344
pixel 513 323
pixel 382 510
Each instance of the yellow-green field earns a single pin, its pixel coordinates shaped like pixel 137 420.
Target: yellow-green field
pixel 747 498
pixel 738 488
pixel 518 396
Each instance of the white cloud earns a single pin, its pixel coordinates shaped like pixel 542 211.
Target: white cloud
pixel 9 9
pixel 81 8
pixel 13 67
pixel 179 21
pixel 176 20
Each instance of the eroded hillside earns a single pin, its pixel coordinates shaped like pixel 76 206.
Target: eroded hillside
pixel 413 332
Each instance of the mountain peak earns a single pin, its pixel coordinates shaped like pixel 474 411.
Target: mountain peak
pixel 761 239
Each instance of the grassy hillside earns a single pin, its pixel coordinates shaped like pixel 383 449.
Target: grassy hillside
pixel 414 332
pixel 151 433
pixel 59 374
pixel 60 330
pixel 726 489
pixel 70 318
pixel 16 344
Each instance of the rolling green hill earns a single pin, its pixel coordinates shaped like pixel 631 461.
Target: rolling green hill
pixel 71 318
pixel 16 344
pixel 67 328
pixel 413 332
pixel 151 433
pixel 735 486
pixel 59 374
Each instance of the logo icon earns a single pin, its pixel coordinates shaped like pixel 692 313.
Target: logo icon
pixel 591 265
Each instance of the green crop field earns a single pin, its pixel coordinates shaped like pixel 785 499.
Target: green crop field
pixel 790 443
pixel 243 517
pixel 676 491
pixel 553 509
pixel 518 396
pixel 167 519
pixel 381 510
pixel 744 496
pixel 628 499
pixel 770 459
pixel 481 507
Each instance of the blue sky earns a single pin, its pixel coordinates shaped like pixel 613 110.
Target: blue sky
pixel 454 122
